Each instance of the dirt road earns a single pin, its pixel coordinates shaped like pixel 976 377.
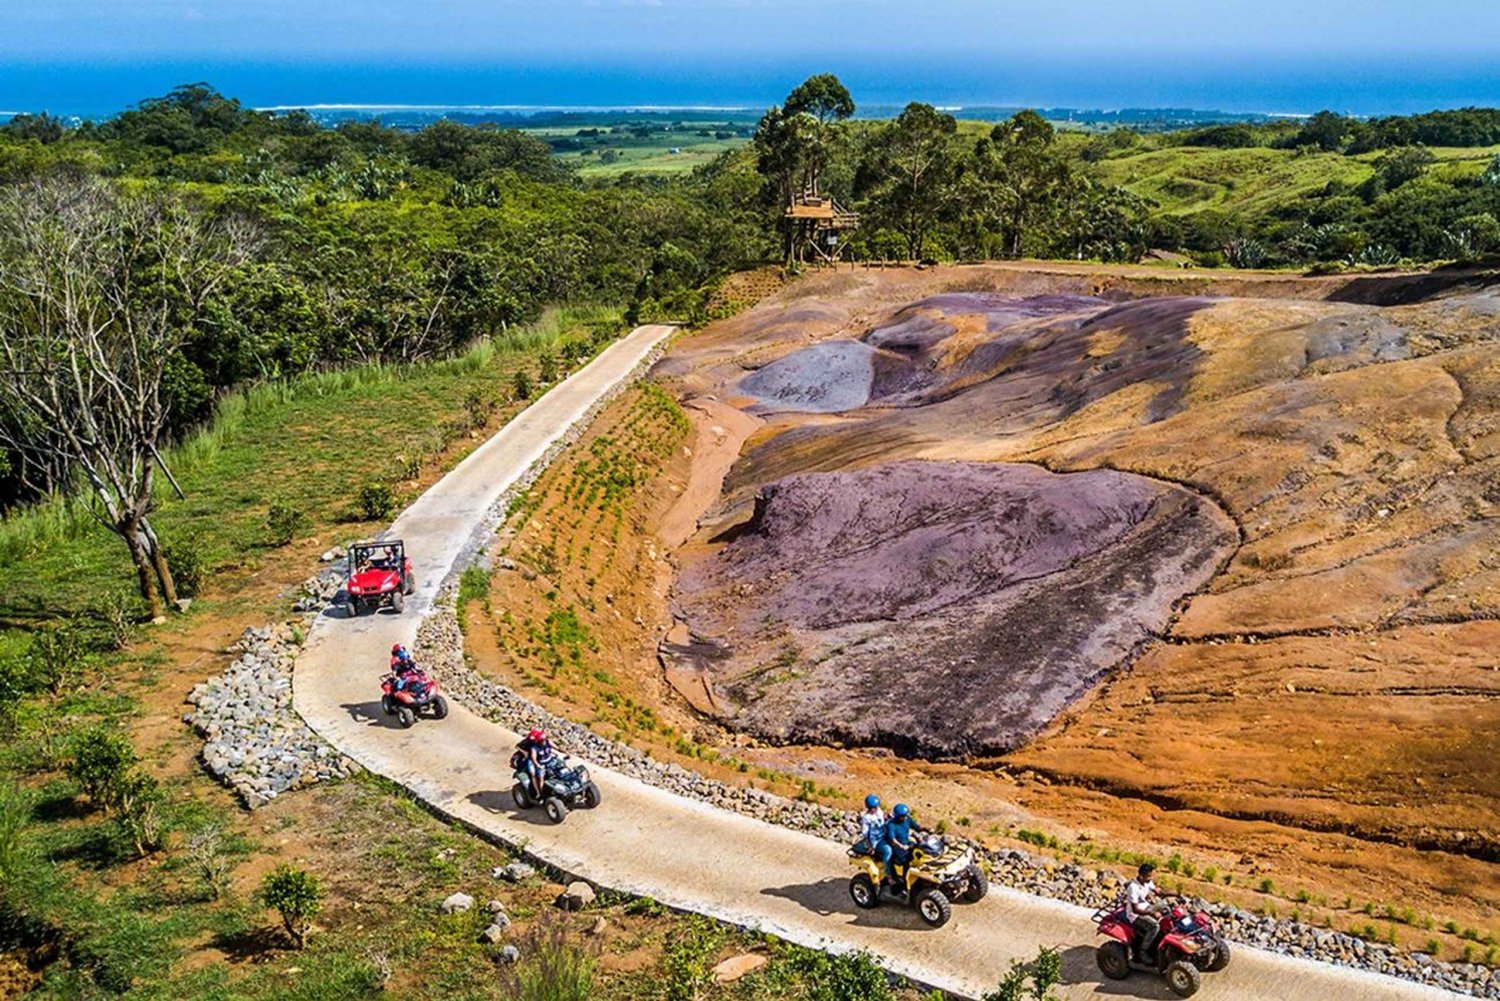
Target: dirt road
pixel 681 852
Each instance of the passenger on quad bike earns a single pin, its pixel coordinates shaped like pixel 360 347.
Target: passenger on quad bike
pixel 541 758
pixel 872 830
pixel 1141 911
pixel 900 833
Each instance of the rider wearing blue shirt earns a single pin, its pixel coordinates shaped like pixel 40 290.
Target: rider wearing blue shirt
pixel 900 832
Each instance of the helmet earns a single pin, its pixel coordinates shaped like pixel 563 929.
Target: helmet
pixel 872 801
pixel 1146 869
pixel 536 736
pixel 396 648
pixel 901 810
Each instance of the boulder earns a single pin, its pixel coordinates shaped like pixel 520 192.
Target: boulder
pixel 458 903
pixel 736 967
pixel 496 929
pixel 576 897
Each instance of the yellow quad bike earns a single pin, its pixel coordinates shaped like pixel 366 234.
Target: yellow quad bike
pixel 939 874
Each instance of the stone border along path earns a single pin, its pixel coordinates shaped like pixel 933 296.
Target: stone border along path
pixel 667 833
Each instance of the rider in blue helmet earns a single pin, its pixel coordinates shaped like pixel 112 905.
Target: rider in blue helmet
pixel 872 829
pixel 900 831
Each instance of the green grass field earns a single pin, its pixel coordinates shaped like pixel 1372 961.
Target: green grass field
pixel 310 444
pixel 1185 179
pixel 616 151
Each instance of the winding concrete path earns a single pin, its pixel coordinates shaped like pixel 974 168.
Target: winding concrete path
pixel 684 853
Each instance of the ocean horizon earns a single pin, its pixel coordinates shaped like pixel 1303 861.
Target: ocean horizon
pixel 1288 86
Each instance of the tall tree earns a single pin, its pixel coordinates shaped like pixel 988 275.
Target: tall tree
pixel 913 168
pixel 99 293
pixel 1022 176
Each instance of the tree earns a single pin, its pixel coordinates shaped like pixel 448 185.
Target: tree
pixel 823 96
pixel 296 895
pixel 99 292
pixel 1021 174
pixel 913 167
pixel 1326 130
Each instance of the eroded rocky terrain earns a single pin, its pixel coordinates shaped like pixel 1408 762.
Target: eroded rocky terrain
pixel 1338 673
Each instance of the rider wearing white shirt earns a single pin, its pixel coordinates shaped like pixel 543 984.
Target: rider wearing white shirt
pixel 1140 909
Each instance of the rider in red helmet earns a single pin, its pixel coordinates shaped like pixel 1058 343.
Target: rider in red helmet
pixel 404 667
pixel 540 757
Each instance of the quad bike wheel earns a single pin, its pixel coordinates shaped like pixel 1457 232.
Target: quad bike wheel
pixel 1183 978
pixel 1113 959
pixel 1221 957
pixel 557 810
pixel 522 796
pixel 405 716
pixel 590 796
pixel 934 908
pixel 388 704
pixel 979 885
pixel 863 892
pixel 398 600
pixel 439 707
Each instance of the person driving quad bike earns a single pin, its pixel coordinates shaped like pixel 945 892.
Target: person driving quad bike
pixel 900 832
pixel 1140 910
pixel 872 829
pixel 540 758
pixel 404 667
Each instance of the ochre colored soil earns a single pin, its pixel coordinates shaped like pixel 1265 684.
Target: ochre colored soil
pixel 1323 713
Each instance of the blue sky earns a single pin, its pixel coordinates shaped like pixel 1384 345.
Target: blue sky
pixel 1369 56
pixel 550 29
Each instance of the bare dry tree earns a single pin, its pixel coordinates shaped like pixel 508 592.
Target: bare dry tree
pixel 99 289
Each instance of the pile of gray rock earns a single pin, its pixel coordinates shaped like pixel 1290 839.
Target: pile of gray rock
pixel 319 590
pixel 254 741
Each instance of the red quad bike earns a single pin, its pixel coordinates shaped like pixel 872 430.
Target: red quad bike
pixel 378 572
pixel 420 694
pixel 1186 948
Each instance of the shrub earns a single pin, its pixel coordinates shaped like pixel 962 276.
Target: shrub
pixel 18 682
pixel 294 894
pixel 57 657
pixel 101 761
pixel 207 857
pixel 1433 947
pixel 1266 885
pixel 853 976
pixel 138 799
pixel 185 562
pixel 554 969
pixel 473 585
pixel 376 501
pixel 477 407
pixel 1033 980
pixel 521 386
pixel 283 523
pixel 687 964
pixel 547 368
